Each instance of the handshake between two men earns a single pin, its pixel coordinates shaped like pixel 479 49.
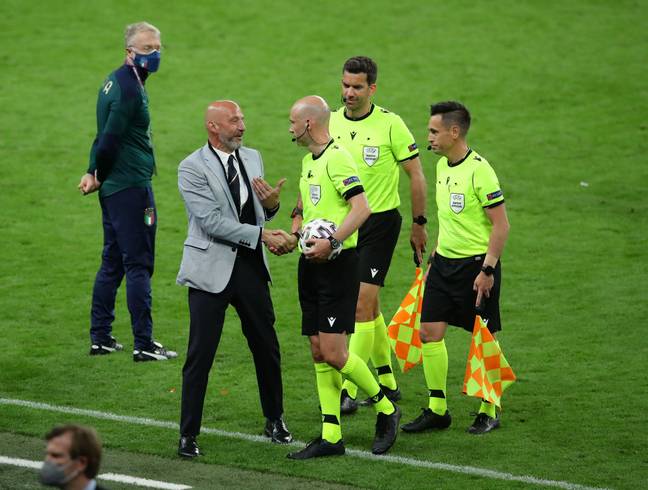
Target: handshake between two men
pixel 280 242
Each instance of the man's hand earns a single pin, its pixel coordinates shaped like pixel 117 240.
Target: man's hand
pixel 319 251
pixel 278 241
pixel 482 285
pixel 418 240
pixel 268 195
pixel 88 184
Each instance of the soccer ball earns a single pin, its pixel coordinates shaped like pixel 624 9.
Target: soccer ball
pixel 318 228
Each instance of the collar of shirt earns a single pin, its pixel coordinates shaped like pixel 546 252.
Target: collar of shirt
pixel 224 157
pixel 92 485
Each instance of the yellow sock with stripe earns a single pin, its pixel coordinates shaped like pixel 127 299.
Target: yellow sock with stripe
pixel 360 343
pixel 435 367
pixel 329 385
pixel 487 408
pixel 381 354
pixel 358 372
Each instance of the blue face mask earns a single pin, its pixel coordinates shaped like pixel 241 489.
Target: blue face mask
pixel 150 62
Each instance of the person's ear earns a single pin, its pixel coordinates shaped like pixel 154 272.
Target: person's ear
pixel 83 462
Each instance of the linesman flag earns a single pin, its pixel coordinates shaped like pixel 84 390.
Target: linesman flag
pixel 403 329
pixel 488 373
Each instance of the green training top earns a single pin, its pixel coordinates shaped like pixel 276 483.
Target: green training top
pixel 378 142
pixel 327 182
pixel 463 190
pixel 122 152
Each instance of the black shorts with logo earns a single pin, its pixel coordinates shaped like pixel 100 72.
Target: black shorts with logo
pixel 328 292
pixel 449 295
pixel 377 239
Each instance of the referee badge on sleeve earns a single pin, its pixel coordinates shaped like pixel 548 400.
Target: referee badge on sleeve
pixel 315 193
pixel 457 202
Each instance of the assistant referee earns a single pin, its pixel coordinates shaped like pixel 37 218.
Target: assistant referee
pixel 465 268
pixel 381 144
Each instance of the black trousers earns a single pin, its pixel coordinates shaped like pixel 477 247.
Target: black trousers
pixel 249 293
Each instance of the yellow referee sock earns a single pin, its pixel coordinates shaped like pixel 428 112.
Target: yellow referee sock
pixel 360 344
pixel 381 354
pixel 356 369
pixel 487 408
pixel 329 385
pixel 435 368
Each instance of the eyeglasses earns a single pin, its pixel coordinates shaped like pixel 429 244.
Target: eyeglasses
pixel 146 49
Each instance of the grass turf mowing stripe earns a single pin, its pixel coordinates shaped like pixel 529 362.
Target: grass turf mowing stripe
pixel 419 463
pixel 131 480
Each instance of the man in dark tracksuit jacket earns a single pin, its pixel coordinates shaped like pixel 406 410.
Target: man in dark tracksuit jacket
pixel 121 166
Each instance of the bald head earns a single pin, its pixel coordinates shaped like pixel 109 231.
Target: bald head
pixel 220 109
pixel 309 121
pixel 224 124
pixel 312 108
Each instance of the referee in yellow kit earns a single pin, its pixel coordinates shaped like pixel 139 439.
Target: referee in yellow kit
pixel 328 279
pixel 381 144
pixel 465 272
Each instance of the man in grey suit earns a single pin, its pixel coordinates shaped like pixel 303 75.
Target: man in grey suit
pixel 223 263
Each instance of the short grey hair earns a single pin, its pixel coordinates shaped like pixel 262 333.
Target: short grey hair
pixel 133 29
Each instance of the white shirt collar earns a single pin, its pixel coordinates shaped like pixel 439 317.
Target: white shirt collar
pixel 224 157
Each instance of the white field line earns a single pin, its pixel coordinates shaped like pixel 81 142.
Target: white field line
pixel 132 480
pixel 23 463
pixel 142 482
pixel 419 463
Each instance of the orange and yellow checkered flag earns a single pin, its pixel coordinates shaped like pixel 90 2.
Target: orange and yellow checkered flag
pixel 488 373
pixel 403 329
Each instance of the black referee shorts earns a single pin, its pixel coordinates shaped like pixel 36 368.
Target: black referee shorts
pixel 449 295
pixel 328 293
pixel 377 239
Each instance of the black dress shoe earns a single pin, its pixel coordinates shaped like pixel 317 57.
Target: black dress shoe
pixel 277 431
pixel 348 405
pixel 386 431
pixel 428 420
pixel 317 448
pixel 484 423
pixel 188 447
pixel 393 395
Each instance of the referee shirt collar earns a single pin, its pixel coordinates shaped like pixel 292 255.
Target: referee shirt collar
pixel 462 160
pixel 315 157
pixel 361 117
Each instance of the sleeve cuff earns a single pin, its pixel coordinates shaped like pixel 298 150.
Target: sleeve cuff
pixel 354 191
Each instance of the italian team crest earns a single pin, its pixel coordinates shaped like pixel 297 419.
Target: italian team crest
pixel 149 216
pixel 315 193
pixel 457 202
pixel 370 154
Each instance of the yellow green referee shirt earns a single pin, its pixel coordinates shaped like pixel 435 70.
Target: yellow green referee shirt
pixel 378 142
pixel 327 182
pixel 463 190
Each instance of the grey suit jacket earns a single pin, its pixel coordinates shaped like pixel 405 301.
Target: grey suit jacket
pixel 215 232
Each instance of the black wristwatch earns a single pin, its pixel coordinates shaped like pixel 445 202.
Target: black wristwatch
pixel 420 220
pixel 335 243
pixel 488 270
pixel 297 212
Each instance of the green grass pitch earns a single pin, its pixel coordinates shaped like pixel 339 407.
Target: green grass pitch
pixel 559 98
